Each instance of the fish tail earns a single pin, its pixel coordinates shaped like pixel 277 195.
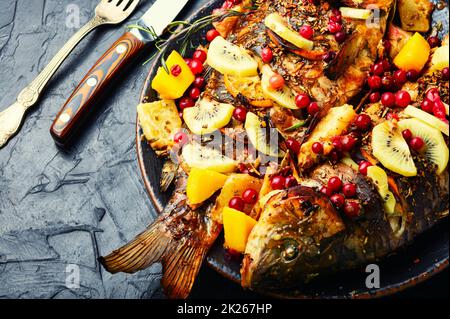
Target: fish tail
pixel 181 258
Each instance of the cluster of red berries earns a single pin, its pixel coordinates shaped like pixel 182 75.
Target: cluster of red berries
pixel 433 104
pixel 415 142
pixel 384 79
pixel 335 26
pixel 303 101
pixel 341 196
pixel 193 93
pixel 249 196
pixel 283 180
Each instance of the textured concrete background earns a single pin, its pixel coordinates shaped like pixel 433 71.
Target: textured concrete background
pixel 68 207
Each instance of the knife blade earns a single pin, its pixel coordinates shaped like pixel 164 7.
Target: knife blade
pixel 82 100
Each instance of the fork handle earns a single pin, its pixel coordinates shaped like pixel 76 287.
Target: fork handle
pixel 82 100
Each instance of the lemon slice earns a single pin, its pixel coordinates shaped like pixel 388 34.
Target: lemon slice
pixel 353 13
pixel 380 180
pixel 231 59
pixel 284 96
pixel 258 137
pixel 277 24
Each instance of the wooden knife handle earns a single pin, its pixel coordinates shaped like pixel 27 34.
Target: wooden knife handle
pixel 82 100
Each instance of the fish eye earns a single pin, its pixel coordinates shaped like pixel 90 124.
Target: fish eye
pixel 290 250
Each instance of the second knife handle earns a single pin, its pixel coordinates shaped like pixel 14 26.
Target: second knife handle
pixel 81 101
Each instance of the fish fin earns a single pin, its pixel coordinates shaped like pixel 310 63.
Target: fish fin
pixel 181 258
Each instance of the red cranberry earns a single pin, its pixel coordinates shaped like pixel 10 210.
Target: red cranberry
pixel 336 18
pixel 180 138
pixel 317 148
pixel 327 191
pixel 302 100
pixel 439 109
pixel 407 134
pixel 188 62
pixel 199 82
pixel 363 167
pixel 349 190
pixel 276 82
pixel 334 27
pixel 433 94
pixel 374 97
pixel 293 145
pixel 412 75
pixel 212 34
pixel 416 143
pixel 186 102
pixel 378 69
pixel 290 182
pixel 335 184
pixel 200 55
pixel 313 108
pixel 329 56
pixel 250 196
pixel 434 41
pixel 386 65
pixel 337 143
pixel 196 66
pixel 374 82
pixel 306 31
pixel 402 99
pixel 352 209
pixel 237 203
pixel 388 82
pixel 392 116
pixel 194 93
pixel 227 4
pixel 400 77
pixel 266 55
pixel 338 200
pixel 427 105
pixel 388 99
pixel 340 36
pixel 242 168
pixel 278 182
pixel 363 122
pixel 175 70
pixel 445 73
pixel 348 142
pixel 235 2
pixel 240 113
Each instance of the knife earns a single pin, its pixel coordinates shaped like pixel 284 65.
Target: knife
pixel 81 102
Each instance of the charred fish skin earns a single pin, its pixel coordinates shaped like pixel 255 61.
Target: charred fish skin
pixel 286 246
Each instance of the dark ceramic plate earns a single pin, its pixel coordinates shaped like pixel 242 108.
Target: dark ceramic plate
pixel 428 254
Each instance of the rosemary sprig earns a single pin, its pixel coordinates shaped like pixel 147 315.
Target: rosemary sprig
pixel 295 126
pixel 184 32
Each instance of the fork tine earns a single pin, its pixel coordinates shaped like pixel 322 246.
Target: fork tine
pixel 130 5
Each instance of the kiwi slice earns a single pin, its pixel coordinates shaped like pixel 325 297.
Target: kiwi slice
pixel 390 148
pixel 258 137
pixel 284 96
pixel 427 118
pixel 207 116
pixel 231 59
pixel 436 150
pixel 197 156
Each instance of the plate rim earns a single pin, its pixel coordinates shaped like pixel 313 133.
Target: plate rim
pixel 388 290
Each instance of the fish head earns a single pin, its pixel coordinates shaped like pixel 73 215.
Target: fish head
pixel 290 242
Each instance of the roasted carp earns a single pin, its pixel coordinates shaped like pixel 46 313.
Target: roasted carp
pixel 310 146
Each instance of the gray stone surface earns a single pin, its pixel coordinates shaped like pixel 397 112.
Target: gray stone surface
pixel 60 207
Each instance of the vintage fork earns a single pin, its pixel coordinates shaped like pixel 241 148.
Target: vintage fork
pixel 106 12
